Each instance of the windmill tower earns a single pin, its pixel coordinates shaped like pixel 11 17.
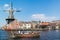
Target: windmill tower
pixel 11 11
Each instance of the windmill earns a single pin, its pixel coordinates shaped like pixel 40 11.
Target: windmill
pixel 11 11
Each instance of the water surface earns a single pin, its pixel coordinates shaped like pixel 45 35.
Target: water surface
pixel 44 35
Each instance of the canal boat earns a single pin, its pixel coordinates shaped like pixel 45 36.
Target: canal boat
pixel 26 34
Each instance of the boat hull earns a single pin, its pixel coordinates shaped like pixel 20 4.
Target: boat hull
pixel 33 35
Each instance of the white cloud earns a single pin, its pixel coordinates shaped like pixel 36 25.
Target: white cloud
pixel 6 5
pixel 43 17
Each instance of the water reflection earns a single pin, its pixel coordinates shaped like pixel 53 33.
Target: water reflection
pixel 44 35
pixel 50 35
pixel 57 30
pixel 3 35
pixel 25 39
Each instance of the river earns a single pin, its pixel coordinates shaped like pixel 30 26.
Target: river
pixel 44 35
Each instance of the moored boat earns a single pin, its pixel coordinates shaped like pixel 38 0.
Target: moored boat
pixel 27 35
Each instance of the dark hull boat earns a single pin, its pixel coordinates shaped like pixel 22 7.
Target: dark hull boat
pixel 26 35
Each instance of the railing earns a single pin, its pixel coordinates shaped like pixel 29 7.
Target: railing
pixel 35 29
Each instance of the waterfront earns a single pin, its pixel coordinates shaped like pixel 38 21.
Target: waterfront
pixel 44 35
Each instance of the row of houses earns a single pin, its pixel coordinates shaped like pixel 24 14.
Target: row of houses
pixel 29 25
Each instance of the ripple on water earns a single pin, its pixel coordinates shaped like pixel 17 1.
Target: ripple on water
pixel 50 35
pixel 3 35
pixel 44 35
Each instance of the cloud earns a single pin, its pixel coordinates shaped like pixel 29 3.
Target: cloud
pixel 6 6
pixel 43 17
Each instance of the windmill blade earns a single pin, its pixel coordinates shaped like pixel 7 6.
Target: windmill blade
pixel 18 11
pixel 5 10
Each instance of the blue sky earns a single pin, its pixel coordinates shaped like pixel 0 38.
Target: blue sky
pixel 44 10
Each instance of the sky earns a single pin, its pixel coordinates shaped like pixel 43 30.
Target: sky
pixel 43 10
